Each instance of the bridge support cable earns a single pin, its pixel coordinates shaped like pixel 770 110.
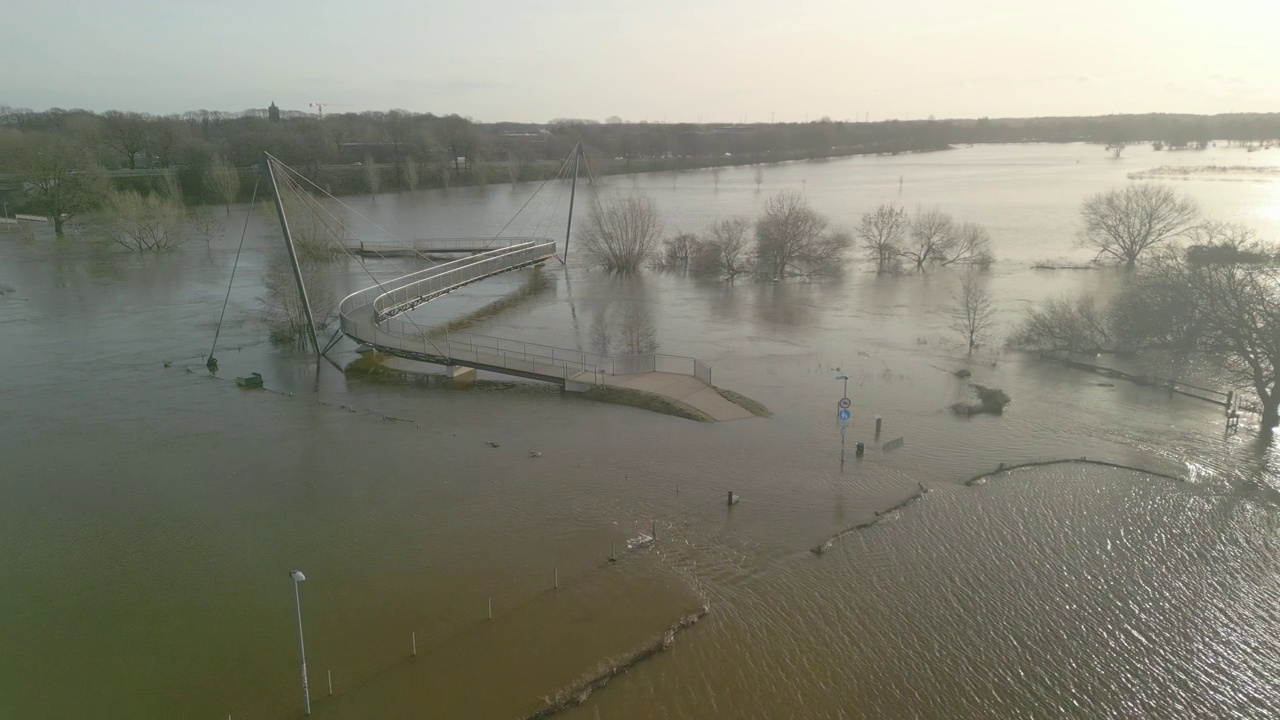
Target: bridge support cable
pixel 212 362
pixel 357 213
pixel 308 202
pixel 526 202
pixel 293 255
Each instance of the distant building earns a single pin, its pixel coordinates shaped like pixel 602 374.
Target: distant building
pixel 273 112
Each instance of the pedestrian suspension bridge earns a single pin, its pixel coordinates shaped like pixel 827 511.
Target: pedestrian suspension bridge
pixel 381 315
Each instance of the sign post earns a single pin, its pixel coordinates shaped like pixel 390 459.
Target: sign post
pixel 842 416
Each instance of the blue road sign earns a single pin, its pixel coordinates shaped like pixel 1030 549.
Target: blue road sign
pixel 843 415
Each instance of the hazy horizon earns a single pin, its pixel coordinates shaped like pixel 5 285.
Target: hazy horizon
pixel 731 61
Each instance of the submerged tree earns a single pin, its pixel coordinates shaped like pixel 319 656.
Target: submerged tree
pixel 722 249
pixel 881 232
pixel 1065 325
pixel 932 235
pixel 281 305
pixel 154 222
pixel 1124 224
pixel 58 176
pixel 970 245
pixel 223 181
pixel 622 234
pixel 1231 311
pixel 372 176
pixel 793 238
pixel 971 313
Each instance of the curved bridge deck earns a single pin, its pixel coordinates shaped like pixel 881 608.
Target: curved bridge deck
pixel 370 316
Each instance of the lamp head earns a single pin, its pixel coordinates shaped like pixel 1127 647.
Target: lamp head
pixel 297 576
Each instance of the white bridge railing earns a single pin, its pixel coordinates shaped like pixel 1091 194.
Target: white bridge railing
pixel 368 316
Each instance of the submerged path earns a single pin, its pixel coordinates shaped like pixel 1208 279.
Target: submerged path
pixel 369 316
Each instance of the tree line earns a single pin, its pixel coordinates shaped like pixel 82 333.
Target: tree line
pixel 788 239
pixel 398 150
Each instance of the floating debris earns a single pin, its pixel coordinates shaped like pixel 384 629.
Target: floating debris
pixel 577 692
pixel 252 380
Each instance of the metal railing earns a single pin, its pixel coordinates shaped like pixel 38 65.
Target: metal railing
pixel 368 316
pixel 426 245
pixel 424 285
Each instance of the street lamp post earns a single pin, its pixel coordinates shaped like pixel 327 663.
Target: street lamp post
pixel 302 648
pixel 845 378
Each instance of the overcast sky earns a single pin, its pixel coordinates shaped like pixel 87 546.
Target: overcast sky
pixel 673 60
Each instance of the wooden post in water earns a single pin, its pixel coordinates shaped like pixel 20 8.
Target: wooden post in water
pixel 613 551
pixel 557 578
pixel 330 683
pixel 655 531
pixel 490 608
pixel 414 638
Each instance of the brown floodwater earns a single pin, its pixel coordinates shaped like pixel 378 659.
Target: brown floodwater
pixel 149 515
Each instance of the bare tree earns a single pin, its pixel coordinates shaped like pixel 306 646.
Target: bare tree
pixel 679 250
pixel 59 176
pixel 622 234
pixel 792 238
pixel 461 142
pixel 723 249
pixel 171 186
pixel 152 223
pixel 759 176
pixel 1124 224
pixel 970 245
pixel 125 133
pixel 971 313
pixel 281 306
pixel 1065 325
pixel 223 180
pixel 372 175
pixel 932 237
pixel 601 335
pixel 881 232
pixel 1227 310
pixel 715 176
pixel 409 173
pixel 637 332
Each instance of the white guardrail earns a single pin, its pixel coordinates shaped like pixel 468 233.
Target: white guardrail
pixel 368 316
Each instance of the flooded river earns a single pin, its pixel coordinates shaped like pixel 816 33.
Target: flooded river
pixel 149 515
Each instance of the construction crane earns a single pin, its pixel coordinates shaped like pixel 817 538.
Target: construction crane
pixel 321 106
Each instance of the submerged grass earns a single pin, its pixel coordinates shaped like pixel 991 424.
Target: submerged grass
pixel 744 402
pixel 646 401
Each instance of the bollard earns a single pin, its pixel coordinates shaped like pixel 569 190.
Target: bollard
pixel 878 421
pixel 330 682
pixel 557 578
pixel 414 638
pixel 613 551
pixel 859 449
pixel 490 608
pixel 654 534
pixel 733 499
